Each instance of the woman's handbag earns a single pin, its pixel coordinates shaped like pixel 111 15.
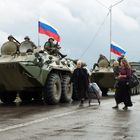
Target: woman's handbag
pixel 133 81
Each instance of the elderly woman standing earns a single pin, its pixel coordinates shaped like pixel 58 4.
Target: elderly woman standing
pixel 80 78
pixel 123 92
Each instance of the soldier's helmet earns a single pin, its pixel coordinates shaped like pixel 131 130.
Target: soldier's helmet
pixel 10 37
pixel 51 38
pixel 122 55
pixel 27 37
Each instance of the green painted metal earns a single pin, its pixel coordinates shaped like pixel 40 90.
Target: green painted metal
pixel 25 70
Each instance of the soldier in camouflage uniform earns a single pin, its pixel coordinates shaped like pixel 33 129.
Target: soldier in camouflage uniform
pixel 103 61
pixel 53 49
pixel 27 41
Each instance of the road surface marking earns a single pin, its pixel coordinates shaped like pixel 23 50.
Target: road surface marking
pixel 44 119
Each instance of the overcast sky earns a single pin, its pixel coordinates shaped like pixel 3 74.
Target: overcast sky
pixel 78 23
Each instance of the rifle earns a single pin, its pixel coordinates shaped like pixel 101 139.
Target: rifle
pixel 17 41
pixel 57 45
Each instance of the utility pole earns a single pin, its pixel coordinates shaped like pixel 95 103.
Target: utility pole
pixel 110 11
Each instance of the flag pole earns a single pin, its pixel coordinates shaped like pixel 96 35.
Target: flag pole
pixel 38 34
pixel 110 9
pixel 38 40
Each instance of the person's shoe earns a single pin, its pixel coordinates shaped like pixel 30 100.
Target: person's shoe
pixel 125 108
pixel 81 103
pixel 115 107
pixel 89 102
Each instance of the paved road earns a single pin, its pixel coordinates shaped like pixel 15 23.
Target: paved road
pixel 70 122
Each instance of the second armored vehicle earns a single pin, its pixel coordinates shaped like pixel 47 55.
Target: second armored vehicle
pixel 104 76
pixel 136 70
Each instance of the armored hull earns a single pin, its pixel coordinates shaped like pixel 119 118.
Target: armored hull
pixel 104 77
pixel 34 75
pixel 136 69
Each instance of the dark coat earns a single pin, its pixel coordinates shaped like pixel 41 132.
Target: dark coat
pixel 123 92
pixel 116 70
pixel 80 79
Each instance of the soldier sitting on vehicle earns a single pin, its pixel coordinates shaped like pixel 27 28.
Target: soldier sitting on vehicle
pixel 27 45
pixel 103 61
pixel 11 46
pixel 53 49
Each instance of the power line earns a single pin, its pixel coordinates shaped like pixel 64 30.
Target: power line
pixel 102 4
pixel 116 3
pixel 110 11
pixel 112 5
pixel 96 34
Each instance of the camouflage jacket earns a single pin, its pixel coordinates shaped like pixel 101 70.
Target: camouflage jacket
pixel 49 46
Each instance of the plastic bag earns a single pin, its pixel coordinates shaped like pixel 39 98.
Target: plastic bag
pixel 94 88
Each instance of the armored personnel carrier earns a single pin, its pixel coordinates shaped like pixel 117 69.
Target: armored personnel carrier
pixel 103 74
pixel 135 66
pixel 33 75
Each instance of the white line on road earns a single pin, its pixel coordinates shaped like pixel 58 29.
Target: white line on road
pixel 43 119
pixel 38 120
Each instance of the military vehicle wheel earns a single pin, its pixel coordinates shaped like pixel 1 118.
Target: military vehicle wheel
pixel 8 97
pixel 66 89
pixel 25 96
pixel 135 90
pixel 138 89
pixel 132 91
pixel 52 89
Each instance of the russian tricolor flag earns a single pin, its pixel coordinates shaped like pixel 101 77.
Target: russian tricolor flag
pixel 45 28
pixel 116 49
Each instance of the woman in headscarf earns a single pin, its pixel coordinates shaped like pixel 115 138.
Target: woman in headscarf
pixel 123 92
pixel 80 79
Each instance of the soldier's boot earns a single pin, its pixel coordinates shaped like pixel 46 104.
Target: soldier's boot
pixel 62 56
